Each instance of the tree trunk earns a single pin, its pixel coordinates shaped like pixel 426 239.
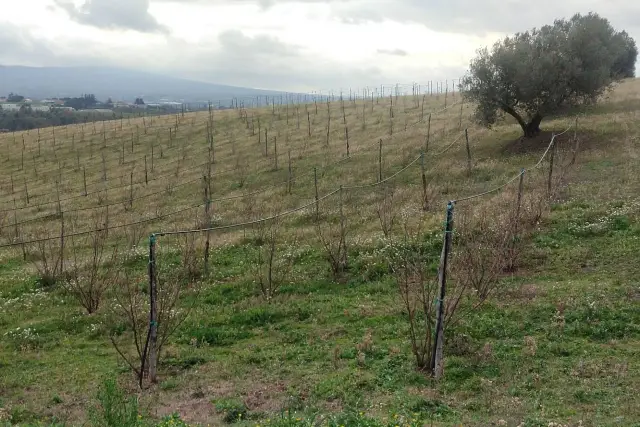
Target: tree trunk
pixel 532 128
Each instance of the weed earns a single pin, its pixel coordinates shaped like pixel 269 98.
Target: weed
pixel 114 408
pixel 233 410
pixel 172 420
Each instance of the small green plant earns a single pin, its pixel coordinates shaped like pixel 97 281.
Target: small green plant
pixel 169 384
pixel 233 410
pixel 173 420
pixel 115 409
pixel 24 339
pixel 291 419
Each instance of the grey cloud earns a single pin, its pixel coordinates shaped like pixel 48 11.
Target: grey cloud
pixel 236 44
pixel 471 17
pixel 266 4
pixel 480 17
pixel 394 52
pixel 236 59
pixel 266 62
pixel 465 16
pixel 20 47
pixel 114 14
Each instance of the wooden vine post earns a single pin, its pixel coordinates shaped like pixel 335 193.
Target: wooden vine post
pixel 551 159
pixel 426 147
pixel 290 181
pixel 275 150
pixel 315 183
pixel 466 135
pixel 84 180
pixel 346 136
pixel 380 162
pixel 425 202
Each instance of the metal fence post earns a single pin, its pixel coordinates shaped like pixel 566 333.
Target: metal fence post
pixel 437 364
pixel 153 311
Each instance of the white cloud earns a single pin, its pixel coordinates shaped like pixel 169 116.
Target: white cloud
pixel 113 14
pixel 280 44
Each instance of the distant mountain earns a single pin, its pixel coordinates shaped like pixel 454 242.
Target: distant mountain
pixel 119 84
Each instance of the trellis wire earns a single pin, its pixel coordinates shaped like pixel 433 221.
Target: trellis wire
pixel 151 128
pixel 360 151
pixel 438 342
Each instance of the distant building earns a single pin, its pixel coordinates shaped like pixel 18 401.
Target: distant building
pixel 166 104
pixel 10 106
pixel 41 108
pixel 62 108
pixel 96 111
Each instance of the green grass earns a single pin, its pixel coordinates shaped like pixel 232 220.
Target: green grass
pixel 582 367
pixel 558 343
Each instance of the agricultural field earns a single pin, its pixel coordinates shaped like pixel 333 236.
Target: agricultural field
pixel 296 249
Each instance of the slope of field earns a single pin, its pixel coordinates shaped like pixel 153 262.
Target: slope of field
pixel 556 342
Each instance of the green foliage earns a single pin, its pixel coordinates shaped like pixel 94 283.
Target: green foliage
pixel 256 317
pixel 212 334
pixel 599 322
pixel 24 339
pixel 14 97
pixel 290 419
pixel 22 415
pixel 26 118
pixel 115 409
pixel 82 102
pixel 350 418
pixel 172 420
pixel 183 363
pixel 534 74
pixel 625 65
pixel 233 410
pixel 359 419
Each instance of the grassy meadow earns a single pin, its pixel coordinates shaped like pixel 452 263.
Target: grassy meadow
pixel 556 343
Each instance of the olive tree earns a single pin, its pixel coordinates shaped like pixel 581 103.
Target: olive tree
pixel 534 74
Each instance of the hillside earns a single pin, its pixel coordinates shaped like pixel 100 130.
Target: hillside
pixel 325 223
pixel 119 84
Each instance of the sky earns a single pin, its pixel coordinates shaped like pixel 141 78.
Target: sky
pixel 291 45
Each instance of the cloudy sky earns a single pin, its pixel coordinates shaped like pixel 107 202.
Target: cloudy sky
pixel 280 44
